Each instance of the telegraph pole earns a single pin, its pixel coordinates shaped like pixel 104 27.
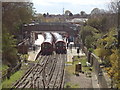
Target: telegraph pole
pixel 63 15
pixel 63 10
pixel 118 37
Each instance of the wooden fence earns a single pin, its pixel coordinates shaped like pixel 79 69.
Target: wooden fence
pixel 11 71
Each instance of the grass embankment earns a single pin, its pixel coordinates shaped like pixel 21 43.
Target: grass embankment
pixel 3 68
pixel 82 60
pixel 70 69
pixel 71 85
pixel 9 82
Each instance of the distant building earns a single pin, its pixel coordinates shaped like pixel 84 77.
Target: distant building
pixel 77 21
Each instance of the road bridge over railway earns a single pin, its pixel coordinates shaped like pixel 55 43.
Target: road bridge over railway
pixel 51 27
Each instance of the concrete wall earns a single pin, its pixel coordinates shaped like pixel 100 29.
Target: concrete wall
pixel 103 80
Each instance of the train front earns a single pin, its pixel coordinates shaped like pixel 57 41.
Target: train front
pixel 60 46
pixel 47 45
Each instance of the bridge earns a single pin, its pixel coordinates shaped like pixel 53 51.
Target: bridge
pixel 51 27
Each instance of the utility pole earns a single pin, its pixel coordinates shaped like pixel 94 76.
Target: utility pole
pixel 118 25
pixel 63 10
pixel 63 14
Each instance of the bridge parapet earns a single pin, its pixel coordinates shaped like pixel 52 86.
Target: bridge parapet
pixel 66 27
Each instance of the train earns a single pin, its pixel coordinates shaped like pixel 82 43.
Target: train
pixel 47 45
pixel 53 42
pixel 59 43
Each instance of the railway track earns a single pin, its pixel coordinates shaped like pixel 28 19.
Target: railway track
pixel 48 72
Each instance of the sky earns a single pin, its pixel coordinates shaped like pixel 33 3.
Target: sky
pixel 75 6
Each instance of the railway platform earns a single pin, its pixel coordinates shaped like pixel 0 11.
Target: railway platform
pixel 33 54
pixel 94 81
pixel 73 52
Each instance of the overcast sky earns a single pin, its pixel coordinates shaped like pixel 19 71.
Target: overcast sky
pixel 75 6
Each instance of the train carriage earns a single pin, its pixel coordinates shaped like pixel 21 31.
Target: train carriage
pixel 60 45
pixel 47 45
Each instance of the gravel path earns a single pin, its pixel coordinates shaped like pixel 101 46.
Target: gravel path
pixel 81 80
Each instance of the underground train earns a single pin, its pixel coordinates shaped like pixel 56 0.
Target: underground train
pixel 47 45
pixel 60 45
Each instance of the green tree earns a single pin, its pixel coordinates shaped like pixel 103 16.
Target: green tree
pixel 9 52
pixel 86 32
pixel 99 23
pixel 13 15
pixel 16 13
pixel 89 41
pixel 110 54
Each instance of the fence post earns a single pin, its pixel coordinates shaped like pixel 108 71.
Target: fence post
pixel 89 56
pixel 9 72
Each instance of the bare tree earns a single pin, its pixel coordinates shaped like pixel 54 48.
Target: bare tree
pixel 113 6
